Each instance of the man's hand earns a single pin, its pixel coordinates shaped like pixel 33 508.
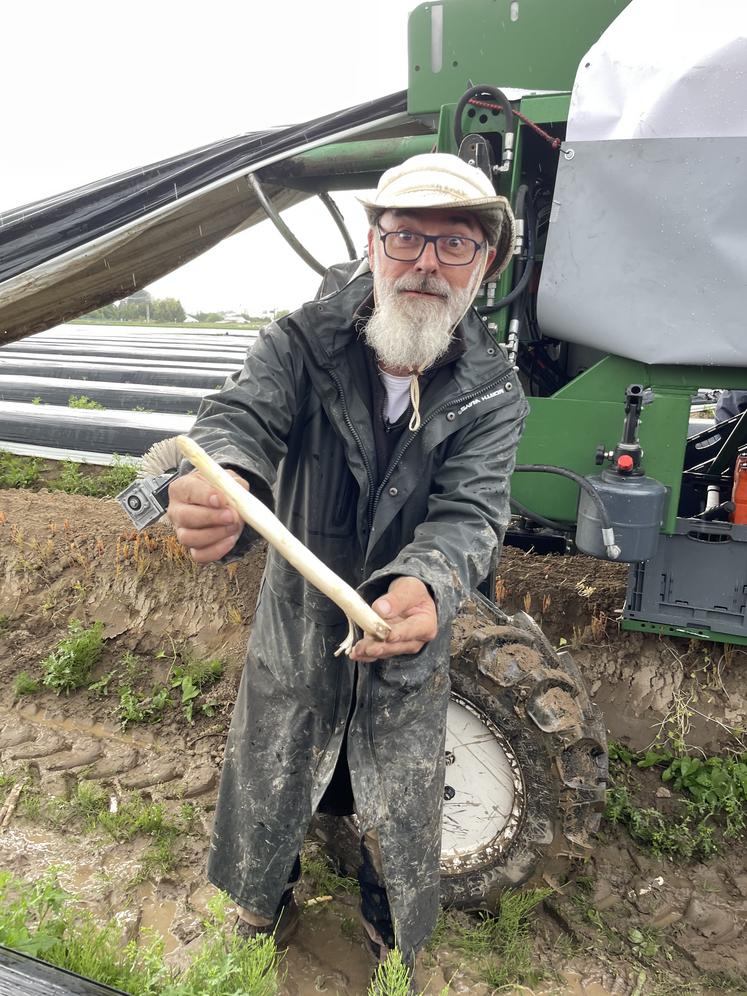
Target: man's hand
pixel 203 520
pixel 411 612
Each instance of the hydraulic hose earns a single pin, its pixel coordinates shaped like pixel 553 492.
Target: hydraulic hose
pixel 482 91
pixel 608 535
pixel 524 209
pixel 526 513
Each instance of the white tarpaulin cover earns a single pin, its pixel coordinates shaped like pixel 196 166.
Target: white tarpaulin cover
pixel 647 248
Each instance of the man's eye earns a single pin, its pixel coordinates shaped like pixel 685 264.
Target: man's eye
pixel 406 237
pixel 454 242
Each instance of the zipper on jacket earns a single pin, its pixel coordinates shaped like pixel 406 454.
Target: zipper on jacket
pixel 354 433
pixel 404 446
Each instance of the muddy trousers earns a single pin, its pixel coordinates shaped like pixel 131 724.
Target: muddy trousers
pixel 374 902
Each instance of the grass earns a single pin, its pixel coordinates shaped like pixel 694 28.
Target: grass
pixel 43 920
pixel 24 684
pixel 69 665
pixel 320 876
pixel 89 810
pixel 500 945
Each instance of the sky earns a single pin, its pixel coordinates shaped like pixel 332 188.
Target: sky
pixel 91 89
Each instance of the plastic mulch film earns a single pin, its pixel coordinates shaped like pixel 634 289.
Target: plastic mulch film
pixel 69 254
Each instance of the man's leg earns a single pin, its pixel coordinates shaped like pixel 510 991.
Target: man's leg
pixel 286 918
pixel 375 912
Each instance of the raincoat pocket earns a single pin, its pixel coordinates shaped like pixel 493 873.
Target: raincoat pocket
pixel 287 585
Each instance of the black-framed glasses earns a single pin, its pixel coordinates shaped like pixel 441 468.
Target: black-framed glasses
pixel 407 247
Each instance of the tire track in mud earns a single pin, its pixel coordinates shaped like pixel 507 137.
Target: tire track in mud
pixel 59 749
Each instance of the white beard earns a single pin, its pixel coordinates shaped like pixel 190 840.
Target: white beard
pixel 411 333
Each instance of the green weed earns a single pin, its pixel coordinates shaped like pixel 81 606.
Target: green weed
pixel 18 472
pixel 392 977
pixel 134 708
pixel 714 791
pixel 502 944
pixel 4 623
pixel 82 401
pixel 24 684
pixel 36 400
pixel 322 879
pixel 116 477
pixel 71 480
pixel 100 482
pixel 191 677
pixel 69 665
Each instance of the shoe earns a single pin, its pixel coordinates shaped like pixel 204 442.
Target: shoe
pixel 282 928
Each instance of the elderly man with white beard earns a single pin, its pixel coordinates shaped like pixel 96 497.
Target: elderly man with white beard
pixel 380 422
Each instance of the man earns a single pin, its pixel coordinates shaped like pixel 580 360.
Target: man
pixel 381 423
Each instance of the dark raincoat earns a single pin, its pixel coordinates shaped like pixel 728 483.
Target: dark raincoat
pixel 296 422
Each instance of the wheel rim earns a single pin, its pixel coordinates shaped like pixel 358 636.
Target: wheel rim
pixel 483 793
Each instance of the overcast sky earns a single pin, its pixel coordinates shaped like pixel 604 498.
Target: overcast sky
pixel 91 89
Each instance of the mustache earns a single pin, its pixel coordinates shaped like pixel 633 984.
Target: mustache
pixel 423 285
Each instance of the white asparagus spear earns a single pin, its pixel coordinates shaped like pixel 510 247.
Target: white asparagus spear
pixel 268 525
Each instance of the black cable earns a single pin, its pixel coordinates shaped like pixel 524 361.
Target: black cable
pixel 525 513
pixel 520 286
pixel 584 484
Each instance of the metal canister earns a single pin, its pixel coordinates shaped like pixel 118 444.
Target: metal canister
pixel 635 505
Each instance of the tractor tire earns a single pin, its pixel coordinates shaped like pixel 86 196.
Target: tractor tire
pixel 526 759
pixel 526 763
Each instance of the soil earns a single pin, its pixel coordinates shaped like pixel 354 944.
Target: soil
pixel 625 922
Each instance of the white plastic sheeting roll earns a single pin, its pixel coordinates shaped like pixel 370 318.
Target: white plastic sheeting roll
pixel 646 255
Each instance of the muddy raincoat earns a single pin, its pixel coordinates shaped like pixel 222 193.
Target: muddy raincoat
pixel 296 422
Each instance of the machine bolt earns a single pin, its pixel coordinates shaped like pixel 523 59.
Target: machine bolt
pixel 449 793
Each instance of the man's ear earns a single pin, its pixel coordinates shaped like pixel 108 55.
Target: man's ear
pixel 492 252
pixel 371 252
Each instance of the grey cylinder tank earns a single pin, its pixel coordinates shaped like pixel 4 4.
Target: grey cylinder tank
pixel 635 506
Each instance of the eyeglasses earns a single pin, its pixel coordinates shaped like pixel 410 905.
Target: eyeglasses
pixel 451 250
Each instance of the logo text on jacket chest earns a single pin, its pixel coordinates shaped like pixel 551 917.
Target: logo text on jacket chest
pixel 484 397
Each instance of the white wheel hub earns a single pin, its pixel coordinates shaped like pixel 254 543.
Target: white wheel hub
pixel 483 792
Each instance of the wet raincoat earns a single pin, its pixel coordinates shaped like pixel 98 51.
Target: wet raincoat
pixel 296 422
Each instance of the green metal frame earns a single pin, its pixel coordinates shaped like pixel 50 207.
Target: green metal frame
pixel 688 632
pixel 538 50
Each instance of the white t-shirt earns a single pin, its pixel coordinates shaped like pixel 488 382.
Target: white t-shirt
pixel 397 394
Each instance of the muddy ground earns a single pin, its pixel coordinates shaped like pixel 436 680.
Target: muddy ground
pixel 624 922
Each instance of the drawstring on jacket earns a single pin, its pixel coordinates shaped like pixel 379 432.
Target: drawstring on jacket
pixel 415 400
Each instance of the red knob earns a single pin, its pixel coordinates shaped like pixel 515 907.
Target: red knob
pixel 625 462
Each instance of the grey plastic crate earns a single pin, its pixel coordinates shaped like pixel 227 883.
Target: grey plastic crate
pixel 696 579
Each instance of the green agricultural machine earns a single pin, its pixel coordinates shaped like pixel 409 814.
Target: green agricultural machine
pixel 614 129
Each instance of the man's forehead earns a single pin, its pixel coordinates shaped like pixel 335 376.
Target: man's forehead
pixel 447 216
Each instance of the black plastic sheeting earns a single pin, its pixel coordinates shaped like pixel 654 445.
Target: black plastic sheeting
pixel 127 397
pixel 130 373
pixel 201 212
pixel 125 433
pixel 21 975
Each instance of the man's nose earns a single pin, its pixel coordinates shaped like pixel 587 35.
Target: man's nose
pixel 428 261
